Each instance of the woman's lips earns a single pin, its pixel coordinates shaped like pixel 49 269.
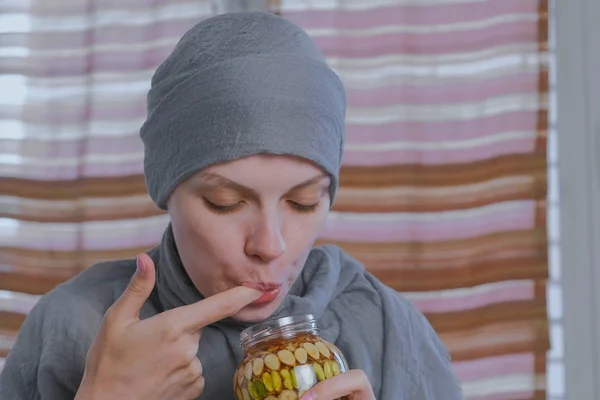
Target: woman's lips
pixel 270 291
pixel 267 297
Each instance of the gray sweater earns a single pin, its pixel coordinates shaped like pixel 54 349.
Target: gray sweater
pixel 377 330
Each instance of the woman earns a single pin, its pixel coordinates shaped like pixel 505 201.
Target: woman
pixel 243 146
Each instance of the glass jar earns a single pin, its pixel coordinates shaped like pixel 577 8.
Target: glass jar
pixel 284 358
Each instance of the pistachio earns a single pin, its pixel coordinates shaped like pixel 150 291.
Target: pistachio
pixel 253 392
pixel 319 371
pixel 287 379
pixel 336 369
pixel 260 389
pixel 328 368
pixel 294 380
pixel 268 381
pixel 277 383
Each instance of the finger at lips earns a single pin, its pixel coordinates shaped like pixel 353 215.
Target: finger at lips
pixel 194 317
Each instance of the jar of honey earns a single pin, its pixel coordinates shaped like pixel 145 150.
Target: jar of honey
pixel 284 358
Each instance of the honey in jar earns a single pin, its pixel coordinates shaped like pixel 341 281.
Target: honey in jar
pixel 284 358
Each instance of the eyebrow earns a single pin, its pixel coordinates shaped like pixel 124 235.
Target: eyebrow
pixel 227 183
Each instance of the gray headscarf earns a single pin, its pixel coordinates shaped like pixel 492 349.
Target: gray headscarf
pixel 236 85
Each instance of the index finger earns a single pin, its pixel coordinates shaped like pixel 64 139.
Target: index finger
pixel 196 316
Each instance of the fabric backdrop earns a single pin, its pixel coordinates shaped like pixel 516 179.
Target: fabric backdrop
pixel 443 188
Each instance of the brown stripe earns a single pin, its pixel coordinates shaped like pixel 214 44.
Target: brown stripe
pixel 47 214
pixel 499 312
pixel 507 240
pixel 495 339
pixel 473 274
pixel 351 176
pixel 40 284
pixel 499 245
pixel 510 346
pixel 537 395
pixel 365 201
pixel 443 175
pixel 67 190
pixel 38 261
pixel 10 320
pixel 544 78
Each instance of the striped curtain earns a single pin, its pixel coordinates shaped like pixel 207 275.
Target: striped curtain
pixel 443 189
pixel 443 186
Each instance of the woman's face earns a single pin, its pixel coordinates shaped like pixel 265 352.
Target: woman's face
pixel 250 222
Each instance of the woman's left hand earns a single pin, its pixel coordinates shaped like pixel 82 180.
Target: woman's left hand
pixel 354 384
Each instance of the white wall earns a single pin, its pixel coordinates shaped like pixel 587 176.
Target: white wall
pixel 578 127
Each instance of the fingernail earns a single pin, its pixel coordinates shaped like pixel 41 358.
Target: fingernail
pixel 309 396
pixel 141 265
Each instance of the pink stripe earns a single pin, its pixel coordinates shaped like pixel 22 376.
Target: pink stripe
pixel 402 43
pixel 351 157
pixel 126 61
pixel 143 237
pixel 438 157
pixel 133 107
pixel 519 217
pixel 435 131
pixel 409 14
pixel 116 108
pixel 445 93
pixel 427 131
pixel 116 34
pixel 51 150
pixel 493 367
pixel 503 34
pixel 515 292
pixel 69 8
pixel 49 173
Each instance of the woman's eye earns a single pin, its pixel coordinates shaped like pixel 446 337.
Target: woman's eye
pixel 306 208
pixel 221 209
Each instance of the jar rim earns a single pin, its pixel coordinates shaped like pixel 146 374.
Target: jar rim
pixel 265 328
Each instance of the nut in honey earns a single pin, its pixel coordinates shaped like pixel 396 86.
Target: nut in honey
pixel 285 364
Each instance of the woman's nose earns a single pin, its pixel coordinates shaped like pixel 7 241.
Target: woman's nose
pixel 266 241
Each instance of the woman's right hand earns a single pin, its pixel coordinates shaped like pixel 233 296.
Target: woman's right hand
pixel 154 358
